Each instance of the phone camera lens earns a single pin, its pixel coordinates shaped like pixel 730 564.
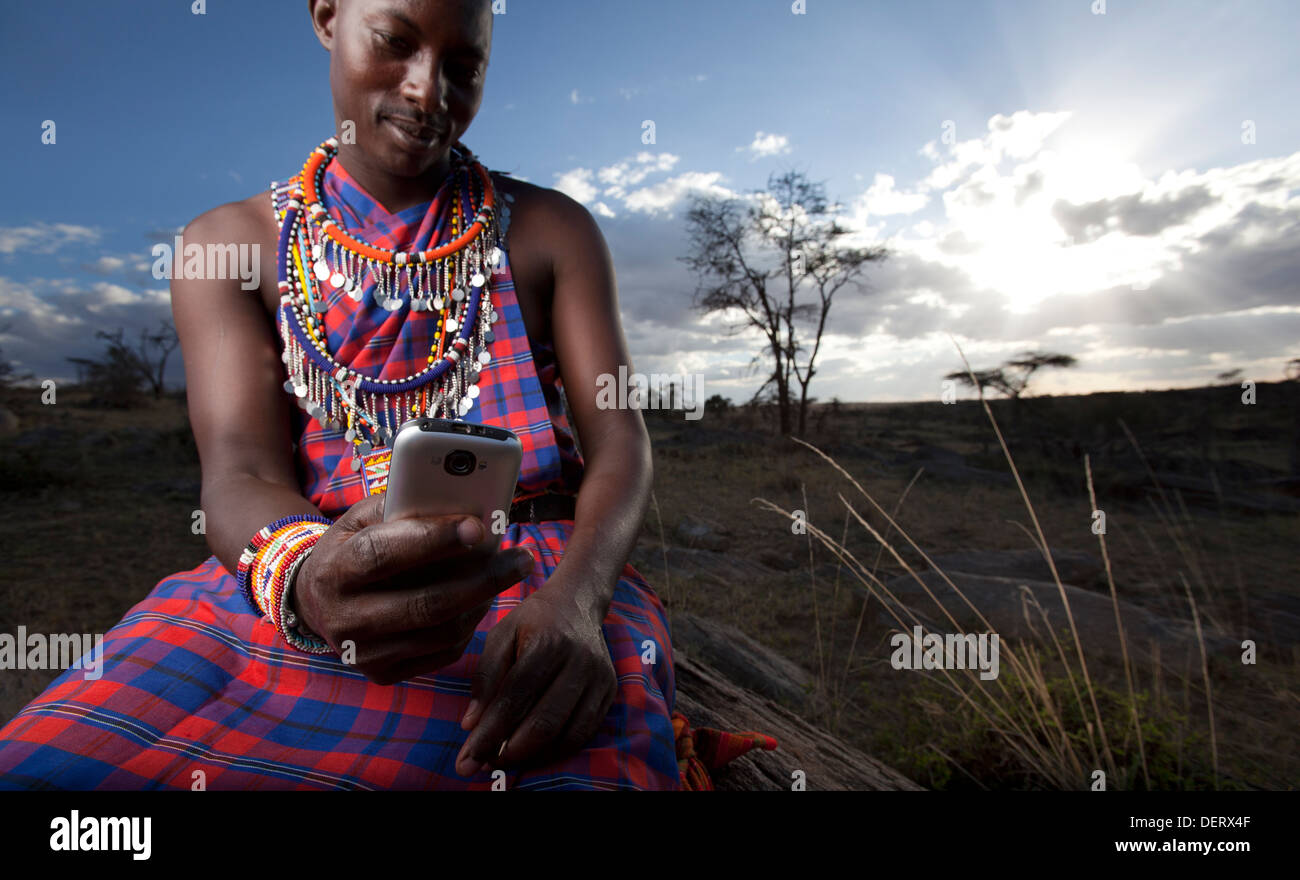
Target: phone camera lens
pixel 460 462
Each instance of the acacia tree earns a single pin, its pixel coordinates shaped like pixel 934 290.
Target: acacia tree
pixel 125 368
pixel 793 218
pixel 1012 378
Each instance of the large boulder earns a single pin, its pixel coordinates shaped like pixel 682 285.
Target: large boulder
pixel 1073 566
pixel 1007 605
pixel 743 660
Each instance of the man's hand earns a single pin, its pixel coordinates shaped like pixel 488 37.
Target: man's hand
pixel 544 683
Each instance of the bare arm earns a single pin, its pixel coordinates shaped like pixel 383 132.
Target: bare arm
pixel 589 341
pixel 238 410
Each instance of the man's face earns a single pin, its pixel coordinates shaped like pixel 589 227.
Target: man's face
pixel 408 73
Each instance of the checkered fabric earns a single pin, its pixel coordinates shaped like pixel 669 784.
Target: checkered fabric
pixel 193 679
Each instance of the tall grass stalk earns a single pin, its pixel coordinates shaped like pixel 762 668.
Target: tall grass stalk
pixel 1119 625
pixel 1051 563
pixel 1205 671
pixel 1038 743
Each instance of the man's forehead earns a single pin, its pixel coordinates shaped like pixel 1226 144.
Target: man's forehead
pixel 413 12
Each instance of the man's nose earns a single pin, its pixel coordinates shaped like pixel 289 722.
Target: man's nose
pixel 426 87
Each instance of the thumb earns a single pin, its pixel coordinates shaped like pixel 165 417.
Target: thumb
pixel 493 664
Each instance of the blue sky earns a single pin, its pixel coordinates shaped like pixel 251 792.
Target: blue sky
pixel 1095 194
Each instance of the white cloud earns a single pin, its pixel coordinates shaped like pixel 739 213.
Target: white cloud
pixel 619 185
pixel 767 145
pixel 661 197
pixel 577 184
pixel 44 238
pixel 881 199
pixel 106 265
pixel 619 176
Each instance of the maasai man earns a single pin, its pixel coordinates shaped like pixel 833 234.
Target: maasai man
pixel 381 657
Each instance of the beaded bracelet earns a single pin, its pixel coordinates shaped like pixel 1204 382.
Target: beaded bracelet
pixel 291 629
pixel 267 566
pixel 287 549
pixel 259 540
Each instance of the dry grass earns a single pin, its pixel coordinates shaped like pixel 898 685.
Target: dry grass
pixel 1057 713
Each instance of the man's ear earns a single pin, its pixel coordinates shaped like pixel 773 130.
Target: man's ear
pixel 324 16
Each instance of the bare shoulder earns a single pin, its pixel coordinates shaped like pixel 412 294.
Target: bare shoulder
pixel 244 220
pixel 547 221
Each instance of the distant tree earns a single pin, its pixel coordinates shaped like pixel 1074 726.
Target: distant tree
pixel 1228 376
pixel 794 218
pixel 117 375
pixel 717 405
pixel 1012 378
pixel 1292 370
pixel 994 378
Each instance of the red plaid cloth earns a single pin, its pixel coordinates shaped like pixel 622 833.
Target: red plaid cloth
pixel 706 749
pixel 193 681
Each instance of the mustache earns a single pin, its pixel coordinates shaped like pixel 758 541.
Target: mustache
pixel 424 125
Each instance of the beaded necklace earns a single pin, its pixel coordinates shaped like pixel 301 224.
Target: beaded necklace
pixel 434 279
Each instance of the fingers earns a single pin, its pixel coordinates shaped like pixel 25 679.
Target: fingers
pixel 493 663
pixel 381 656
pixel 421 607
pixel 529 674
pixel 586 721
pixel 384 550
pixel 571 698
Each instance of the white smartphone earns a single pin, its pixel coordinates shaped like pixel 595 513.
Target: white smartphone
pixel 442 466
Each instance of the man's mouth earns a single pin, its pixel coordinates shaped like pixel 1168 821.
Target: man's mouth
pixel 414 134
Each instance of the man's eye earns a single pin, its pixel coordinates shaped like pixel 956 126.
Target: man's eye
pixel 392 41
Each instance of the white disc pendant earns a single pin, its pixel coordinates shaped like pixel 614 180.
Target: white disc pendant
pixel 451 324
pixel 322 271
pixel 484 357
pixel 473 391
pixel 458 294
pixel 478 280
pixel 337 279
pixel 495 256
